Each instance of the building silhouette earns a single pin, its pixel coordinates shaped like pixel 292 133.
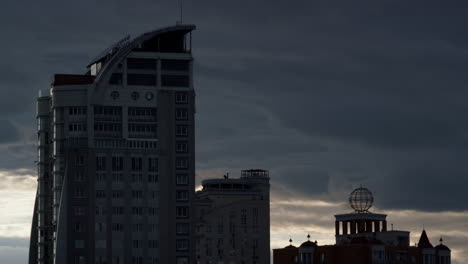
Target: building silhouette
pixel 362 237
pixel 233 219
pixel 116 157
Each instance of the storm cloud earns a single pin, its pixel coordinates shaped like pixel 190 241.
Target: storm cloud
pixel 327 95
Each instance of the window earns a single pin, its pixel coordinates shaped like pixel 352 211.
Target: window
pixel 181 163
pixel 117 227
pixel 79 176
pixel 117 177
pixel 152 178
pixel 137 243
pixel 181 179
pixel 181 113
pixel 137 227
pixel 141 64
pixel 100 177
pixel 79 211
pixel 80 260
pixel 255 216
pixel 77 110
pixel 137 260
pixel 182 211
pixel 137 194
pixel 117 194
pixel 182 195
pixel 141 112
pixel 79 243
pixel 182 228
pixel 175 65
pixel 137 177
pixel 76 127
pixel 181 130
pixel 182 244
pixel 116 78
pixel 152 211
pixel 100 194
pixel 79 193
pixel 79 227
pixel 243 217
pixel 152 164
pixel 152 244
pixel 117 210
pixel 181 98
pixel 137 163
pixel 117 163
pixel 101 163
pixel 181 147
pixel 175 80
pixel 137 210
pixel 80 160
pixel 141 79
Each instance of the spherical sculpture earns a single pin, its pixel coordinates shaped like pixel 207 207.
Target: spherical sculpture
pixel 361 200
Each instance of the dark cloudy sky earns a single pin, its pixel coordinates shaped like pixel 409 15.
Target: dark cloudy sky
pixel 327 95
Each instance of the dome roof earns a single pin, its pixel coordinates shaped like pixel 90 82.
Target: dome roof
pixel 361 200
pixel 290 247
pixel 308 244
pixel 442 247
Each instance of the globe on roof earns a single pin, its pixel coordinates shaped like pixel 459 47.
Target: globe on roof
pixel 361 200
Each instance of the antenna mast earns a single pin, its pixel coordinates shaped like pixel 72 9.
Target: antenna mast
pixel 181 12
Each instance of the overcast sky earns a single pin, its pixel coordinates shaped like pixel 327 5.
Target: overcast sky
pixel 327 95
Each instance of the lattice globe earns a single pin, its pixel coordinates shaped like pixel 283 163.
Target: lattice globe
pixel 361 200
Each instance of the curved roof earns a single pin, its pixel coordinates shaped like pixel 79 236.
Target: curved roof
pixel 290 247
pixel 442 247
pixel 308 244
pixel 124 50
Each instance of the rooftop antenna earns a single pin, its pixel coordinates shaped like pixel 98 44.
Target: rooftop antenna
pixel 181 13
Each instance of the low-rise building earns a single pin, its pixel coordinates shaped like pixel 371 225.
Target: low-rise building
pixel 362 238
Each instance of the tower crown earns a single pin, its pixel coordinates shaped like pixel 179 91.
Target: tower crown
pixel 361 200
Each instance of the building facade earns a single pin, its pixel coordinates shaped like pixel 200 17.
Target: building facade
pixel 116 157
pixel 362 237
pixel 233 220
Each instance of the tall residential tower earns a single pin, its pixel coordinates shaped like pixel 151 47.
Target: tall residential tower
pixel 116 157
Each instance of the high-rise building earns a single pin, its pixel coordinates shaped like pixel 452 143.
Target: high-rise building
pixel 116 157
pixel 233 219
pixel 362 237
